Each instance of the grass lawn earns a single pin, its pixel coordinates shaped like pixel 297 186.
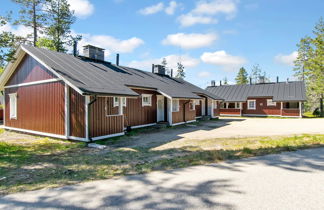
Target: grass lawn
pixel 44 162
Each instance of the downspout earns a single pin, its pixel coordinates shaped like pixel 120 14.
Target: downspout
pixel 89 116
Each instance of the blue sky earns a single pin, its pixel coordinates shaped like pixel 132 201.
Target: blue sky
pixel 212 38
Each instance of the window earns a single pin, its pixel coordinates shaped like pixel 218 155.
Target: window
pixel 116 102
pixel 146 100
pixel 13 105
pixel 271 103
pixel 291 105
pixel 251 104
pixel 192 105
pixel 175 105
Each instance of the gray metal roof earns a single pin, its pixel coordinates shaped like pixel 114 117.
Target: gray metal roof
pixel 282 91
pixel 105 78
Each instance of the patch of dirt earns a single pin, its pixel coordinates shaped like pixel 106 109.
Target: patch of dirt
pixel 38 166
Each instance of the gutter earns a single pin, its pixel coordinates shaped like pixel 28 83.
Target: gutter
pixel 89 116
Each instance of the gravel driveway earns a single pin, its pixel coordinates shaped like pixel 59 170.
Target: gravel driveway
pixel 291 180
pixel 228 127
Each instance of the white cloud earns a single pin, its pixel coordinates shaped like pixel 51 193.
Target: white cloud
pixel 19 30
pixel 190 41
pixel 82 8
pixel 204 74
pixel 213 7
pixel 111 44
pixel 286 59
pixel 152 9
pixel 205 11
pixel 172 61
pixel 221 58
pixel 171 8
pixel 190 20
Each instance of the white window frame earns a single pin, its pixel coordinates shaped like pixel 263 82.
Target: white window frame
pixel 116 103
pixel 248 104
pixel 270 102
pixel 175 105
pixel 237 105
pixel 13 106
pixel 149 102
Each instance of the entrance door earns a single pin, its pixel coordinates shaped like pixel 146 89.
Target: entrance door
pixel 160 108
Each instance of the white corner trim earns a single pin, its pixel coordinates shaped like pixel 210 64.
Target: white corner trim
pixel 179 123
pixel 67 110
pixel 52 70
pixel 191 121
pixel 36 132
pixel 86 102
pixel 77 138
pixel 33 83
pixel 108 136
pixel 233 115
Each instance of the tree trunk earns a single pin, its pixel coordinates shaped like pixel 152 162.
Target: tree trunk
pixel 34 23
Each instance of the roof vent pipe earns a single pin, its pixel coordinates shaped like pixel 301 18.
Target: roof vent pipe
pixel 250 80
pixel 213 83
pixel 287 80
pixel 277 79
pixel 220 83
pixel 153 68
pixel 117 59
pixel 171 73
pixel 75 47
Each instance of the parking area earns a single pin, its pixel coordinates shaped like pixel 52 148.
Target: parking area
pixel 229 127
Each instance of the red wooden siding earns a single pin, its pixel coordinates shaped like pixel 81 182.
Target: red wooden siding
pixel 100 123
pixel 217 110
pixel 39 108
pixel 77 114
pixel 178 117
pixel 136 114
pixel 290 112
pixel 29 70
pixel 1 114
pixel 262 108
pixel 198 109
pixel 230 111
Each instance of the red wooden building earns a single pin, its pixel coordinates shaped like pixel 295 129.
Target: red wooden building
pixel 267 99
pixel 86 98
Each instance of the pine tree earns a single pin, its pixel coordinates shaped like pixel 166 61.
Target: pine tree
pixel 242 77
pixel 309 65
pixel 31 15
pixel 181 71
pixel 258 76
pixel 60 18
pixel 8 44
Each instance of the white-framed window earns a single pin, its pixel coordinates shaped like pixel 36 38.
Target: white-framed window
pixel 271 103
pixel 192 105
pixel 13 105
pixel 175 105
pixel 116 102
pixel 215 104
pixel 146 100
pixel 251 104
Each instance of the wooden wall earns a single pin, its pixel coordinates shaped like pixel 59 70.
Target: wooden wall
pixel 262 108
pixel 198 109
pixel 39 108
pixel 29 70
pixel 217 110
pixel 77 114
pixel 102 124
pixel 290 112
pixel 136 114
pixel 178 117
pixel 230 111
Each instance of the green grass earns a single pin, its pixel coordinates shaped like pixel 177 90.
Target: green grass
pixel 50 163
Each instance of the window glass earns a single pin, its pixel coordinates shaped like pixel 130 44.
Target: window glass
pixel 146 100
pixel 116 103
pixel 231 106
pixel 251 104
pixel 271 103
pixel 175 105
pixel 13 105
